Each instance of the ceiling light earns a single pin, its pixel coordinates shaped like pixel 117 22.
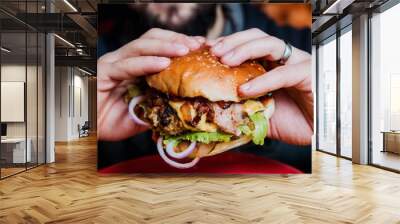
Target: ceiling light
pixel 5 50
pixel 65 41
pixel 337 7
pixel 326 11
pixel 84 71
pixel 70 5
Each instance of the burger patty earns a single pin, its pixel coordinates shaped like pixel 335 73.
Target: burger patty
pixel 166 120
pixel 194 114
pixel 162 116
pixel 230 118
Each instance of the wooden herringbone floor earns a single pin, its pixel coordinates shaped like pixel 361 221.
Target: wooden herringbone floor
pixel 71 191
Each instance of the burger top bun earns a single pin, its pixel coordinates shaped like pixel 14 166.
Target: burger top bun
pixel 200 74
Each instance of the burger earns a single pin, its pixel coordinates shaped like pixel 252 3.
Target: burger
pixel 194 109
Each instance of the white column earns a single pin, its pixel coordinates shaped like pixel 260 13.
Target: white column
pixel 50 92
pixel 50 99
pixel 360 90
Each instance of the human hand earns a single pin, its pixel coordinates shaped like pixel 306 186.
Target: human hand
pixel 118 69
pixel 292 121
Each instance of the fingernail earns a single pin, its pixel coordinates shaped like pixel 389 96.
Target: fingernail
pixel 181 49
pixel 245 87
pixel 164 62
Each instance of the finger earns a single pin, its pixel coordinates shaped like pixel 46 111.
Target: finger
pixel 132 67
pixel 230 42
pixel 148 47
pixel 200 39
pixel 213 41
pixel 167 35
pixel 114 120
pixel 269 47
pixel 297 76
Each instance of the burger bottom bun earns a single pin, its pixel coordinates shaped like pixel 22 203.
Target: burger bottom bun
pixel 212 149
pixel 225 146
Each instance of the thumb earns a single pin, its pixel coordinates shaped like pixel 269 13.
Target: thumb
pixel 296 75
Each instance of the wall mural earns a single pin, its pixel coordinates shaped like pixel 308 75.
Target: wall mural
pixel 204 88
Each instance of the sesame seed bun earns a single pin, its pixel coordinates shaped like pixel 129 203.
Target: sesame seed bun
pixel 201 74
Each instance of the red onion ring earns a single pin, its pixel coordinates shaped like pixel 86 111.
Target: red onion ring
pixel 171 162
pixel 134 101
pixel 180 155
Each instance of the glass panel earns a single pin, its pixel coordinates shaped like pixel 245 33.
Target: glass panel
pixel 31 87
pixel 41 98
pixel 23 87
pixel 31 98
pixel 327 97
pixel 346 94
pixel 385 84
pixel 13 80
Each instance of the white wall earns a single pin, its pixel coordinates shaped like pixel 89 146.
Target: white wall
pixel 80 102
pixel 61 103
pixel 71 94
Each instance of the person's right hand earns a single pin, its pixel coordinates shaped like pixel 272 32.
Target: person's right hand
pixel 292 121
pixel 116 70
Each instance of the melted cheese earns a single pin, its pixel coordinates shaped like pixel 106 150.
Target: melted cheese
pixel 176 105
pixel 252 106
pixel 203 125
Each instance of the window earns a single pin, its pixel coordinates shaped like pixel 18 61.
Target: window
pixel 385 89
pixel 327 96
pixel 346 93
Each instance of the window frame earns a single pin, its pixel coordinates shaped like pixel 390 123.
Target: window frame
pixel 335 36
pixel 380 9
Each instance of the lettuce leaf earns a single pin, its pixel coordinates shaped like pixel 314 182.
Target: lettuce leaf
pixel 260 128
pixel 258 134
pixel 244 129
pixel 203 137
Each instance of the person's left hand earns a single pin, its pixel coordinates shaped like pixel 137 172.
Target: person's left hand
pixel 292 121
pixel 148 54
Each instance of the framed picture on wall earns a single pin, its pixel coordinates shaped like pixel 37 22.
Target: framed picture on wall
pixel 12 101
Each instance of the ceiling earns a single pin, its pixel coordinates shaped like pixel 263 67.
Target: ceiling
pixel 73 20
pixel 330 15
pixel 76 22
